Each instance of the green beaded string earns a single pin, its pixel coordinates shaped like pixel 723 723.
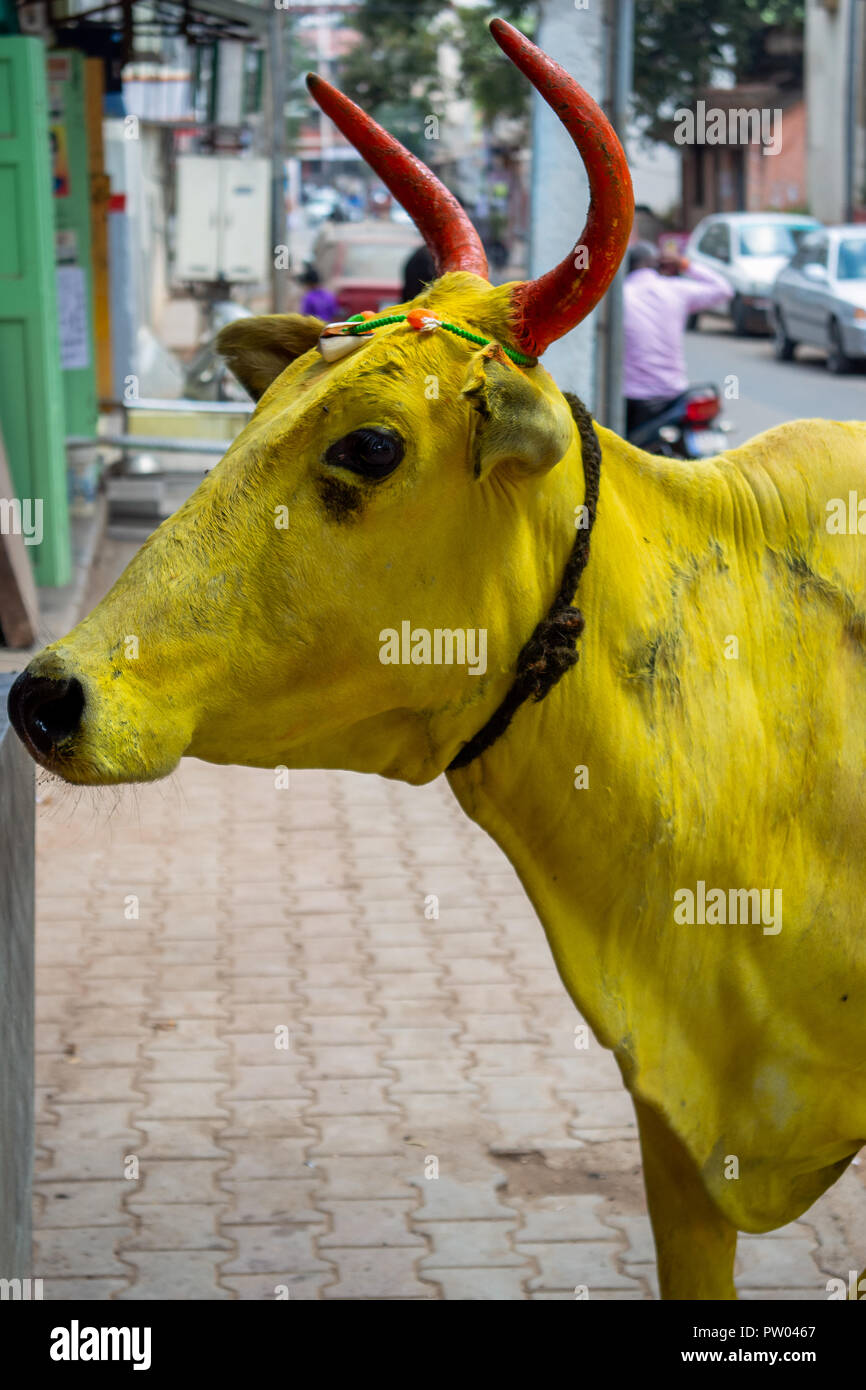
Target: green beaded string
pixel 361 325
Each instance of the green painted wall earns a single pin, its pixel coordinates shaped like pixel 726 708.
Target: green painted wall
pixel 31 382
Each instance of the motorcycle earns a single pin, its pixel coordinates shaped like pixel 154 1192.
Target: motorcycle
pixel 207 378
pixel 687 428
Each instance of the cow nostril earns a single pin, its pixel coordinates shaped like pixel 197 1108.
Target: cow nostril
pixel 44 712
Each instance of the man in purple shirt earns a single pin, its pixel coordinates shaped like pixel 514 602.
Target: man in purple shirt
pixel 318 301
pixel 656 308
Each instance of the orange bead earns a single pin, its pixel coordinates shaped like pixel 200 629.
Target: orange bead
pixel 421 319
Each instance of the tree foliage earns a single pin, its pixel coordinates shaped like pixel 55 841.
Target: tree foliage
pixel 395 73
pixel 494 84
pixel 681 44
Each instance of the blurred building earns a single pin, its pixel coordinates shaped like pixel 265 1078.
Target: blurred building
pixel 325 31
pixel 458 153
pixel 737 176
pixel 836 96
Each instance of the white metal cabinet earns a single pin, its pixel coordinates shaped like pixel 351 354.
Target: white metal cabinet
pixel 223 219
pixel 245 226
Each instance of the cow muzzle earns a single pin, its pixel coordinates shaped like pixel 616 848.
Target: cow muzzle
pixel 46 713
pixel 90 724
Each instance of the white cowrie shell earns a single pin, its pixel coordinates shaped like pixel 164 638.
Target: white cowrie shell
pixel 340 345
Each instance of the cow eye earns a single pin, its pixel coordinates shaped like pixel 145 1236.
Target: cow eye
pixel 372 453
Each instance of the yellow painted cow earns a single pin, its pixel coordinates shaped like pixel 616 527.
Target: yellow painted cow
pixel 702 876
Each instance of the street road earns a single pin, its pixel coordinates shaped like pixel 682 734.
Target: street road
pixel 771 391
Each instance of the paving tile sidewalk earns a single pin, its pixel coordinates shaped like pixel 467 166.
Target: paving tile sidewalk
pixel 265 1069
pixel 256 1054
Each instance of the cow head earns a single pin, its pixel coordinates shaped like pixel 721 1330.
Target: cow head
pixel 393 482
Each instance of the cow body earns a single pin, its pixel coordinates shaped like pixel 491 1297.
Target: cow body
pixel 740 771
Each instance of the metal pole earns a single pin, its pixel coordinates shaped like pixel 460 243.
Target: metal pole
pixel 611 409
pixel 279 221
pixel 559 192
pixel 851 111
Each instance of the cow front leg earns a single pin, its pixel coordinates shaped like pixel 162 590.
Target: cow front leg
pixel 695 1244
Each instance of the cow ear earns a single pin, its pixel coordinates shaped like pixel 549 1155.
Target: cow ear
pixel 258 349
pixel 516 421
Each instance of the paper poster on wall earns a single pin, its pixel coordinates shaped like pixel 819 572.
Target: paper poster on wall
pixel 66 246
pixel 58 67
pixel 59 71
pixel 72 316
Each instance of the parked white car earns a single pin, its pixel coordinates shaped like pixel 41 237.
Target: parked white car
pixel 820 297
pixel 748 249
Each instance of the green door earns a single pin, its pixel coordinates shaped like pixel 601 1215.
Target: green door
pixel 31 384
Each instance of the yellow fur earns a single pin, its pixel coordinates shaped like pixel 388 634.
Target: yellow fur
pixel 261 646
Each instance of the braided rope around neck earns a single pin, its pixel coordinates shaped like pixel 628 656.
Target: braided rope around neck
pixel 552 648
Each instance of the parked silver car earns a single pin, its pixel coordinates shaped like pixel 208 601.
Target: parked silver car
pixel 748 249
pixel 820 298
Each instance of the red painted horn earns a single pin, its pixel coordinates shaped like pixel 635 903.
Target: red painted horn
pixel 451 237
pixel 544 309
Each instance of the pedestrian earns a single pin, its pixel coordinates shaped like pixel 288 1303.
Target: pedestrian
pixel 656 308
pixel 418 271
pixel 318 301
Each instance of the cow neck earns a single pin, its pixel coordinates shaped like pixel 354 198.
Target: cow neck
pixel 552 648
